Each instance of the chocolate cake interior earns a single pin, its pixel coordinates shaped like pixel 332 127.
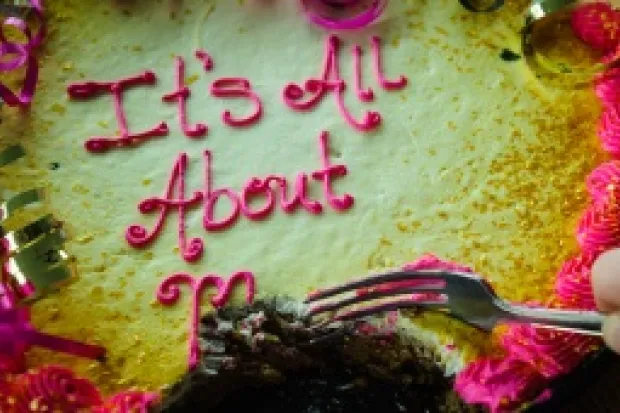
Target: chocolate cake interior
pixel 268 358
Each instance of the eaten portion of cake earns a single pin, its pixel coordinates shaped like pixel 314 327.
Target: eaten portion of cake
pixel 233 151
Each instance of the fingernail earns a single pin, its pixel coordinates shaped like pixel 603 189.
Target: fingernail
pixel 611 332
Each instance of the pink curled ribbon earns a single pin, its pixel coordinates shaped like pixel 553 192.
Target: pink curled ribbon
pixel 23 56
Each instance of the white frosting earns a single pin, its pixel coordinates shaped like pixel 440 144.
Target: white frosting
pixel 416 181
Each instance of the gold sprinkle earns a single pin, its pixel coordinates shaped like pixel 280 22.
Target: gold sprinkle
pixel 84 239
pixel 192 79
pixel 58 108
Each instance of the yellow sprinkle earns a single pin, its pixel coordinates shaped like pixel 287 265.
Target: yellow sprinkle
pixel 192 79
pixel 58 108
pixel 80 189
pixel 84 239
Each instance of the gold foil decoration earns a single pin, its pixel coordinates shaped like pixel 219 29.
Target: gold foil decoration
pixel 11 154
pixel 34 254
pixel 20 201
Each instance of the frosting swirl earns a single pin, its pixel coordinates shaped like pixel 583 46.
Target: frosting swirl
pixel 599 229
pixel 604 183
pixel 499 383
pixel 129 402
pixel 549 352
pixel 607 87
pixel 573 285
pixel 52 389
pixel 598 25
pixel 609 130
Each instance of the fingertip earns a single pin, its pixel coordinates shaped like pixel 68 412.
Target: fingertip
pixel 611 332
pixel 606 281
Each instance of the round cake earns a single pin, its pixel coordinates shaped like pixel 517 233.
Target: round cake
pixel 159 159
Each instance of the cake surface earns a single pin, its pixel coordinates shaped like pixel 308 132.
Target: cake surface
pixel 475 161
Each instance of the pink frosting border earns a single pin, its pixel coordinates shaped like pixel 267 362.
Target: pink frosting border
pixel 534 356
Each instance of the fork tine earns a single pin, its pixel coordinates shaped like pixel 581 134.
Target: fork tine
pixel 374 280
pixel 373 295
pixel 390 306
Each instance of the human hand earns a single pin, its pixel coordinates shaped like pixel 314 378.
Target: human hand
pixel 606 287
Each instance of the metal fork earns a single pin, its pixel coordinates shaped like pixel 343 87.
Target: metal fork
pixel 464 296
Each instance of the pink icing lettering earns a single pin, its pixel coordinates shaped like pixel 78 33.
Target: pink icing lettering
pixel 211 198
pixel 168 293
pixel 328 173
pixel 365 95
pixel 180 96
pixel 300 198
pixel 386 84
pixel 254 188
pixel 138 236
pixel 240 88
pixel 240 202
pixel 206 60
pixel 330 81
pixel 98 144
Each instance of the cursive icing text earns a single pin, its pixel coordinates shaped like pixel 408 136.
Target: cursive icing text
pixel 268 190
pixel 306 96
pixel 138 236
pixel 88 90
pixel 236 87
pixel 180 96
pixel 168 293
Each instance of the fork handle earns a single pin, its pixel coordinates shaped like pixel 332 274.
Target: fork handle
pixel 582 322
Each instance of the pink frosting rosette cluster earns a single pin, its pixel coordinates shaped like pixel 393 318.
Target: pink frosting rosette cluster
pixel 598 24
pixel 57 389
pixel 534 356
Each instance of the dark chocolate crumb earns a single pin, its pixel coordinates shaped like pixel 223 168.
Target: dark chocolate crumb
pixel 266 358
pixel 508 55
pixel 54 166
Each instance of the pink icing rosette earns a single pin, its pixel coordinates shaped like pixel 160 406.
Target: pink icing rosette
pixel 607 87
pixel 501 384
pixel 609 130
pixel 550 353
pixel 129 402
pixel 599 229
pixel 573 285
pixel 604 183
pixel 598 25
pixel 54 389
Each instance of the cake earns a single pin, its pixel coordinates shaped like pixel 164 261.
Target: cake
pixel 208 153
